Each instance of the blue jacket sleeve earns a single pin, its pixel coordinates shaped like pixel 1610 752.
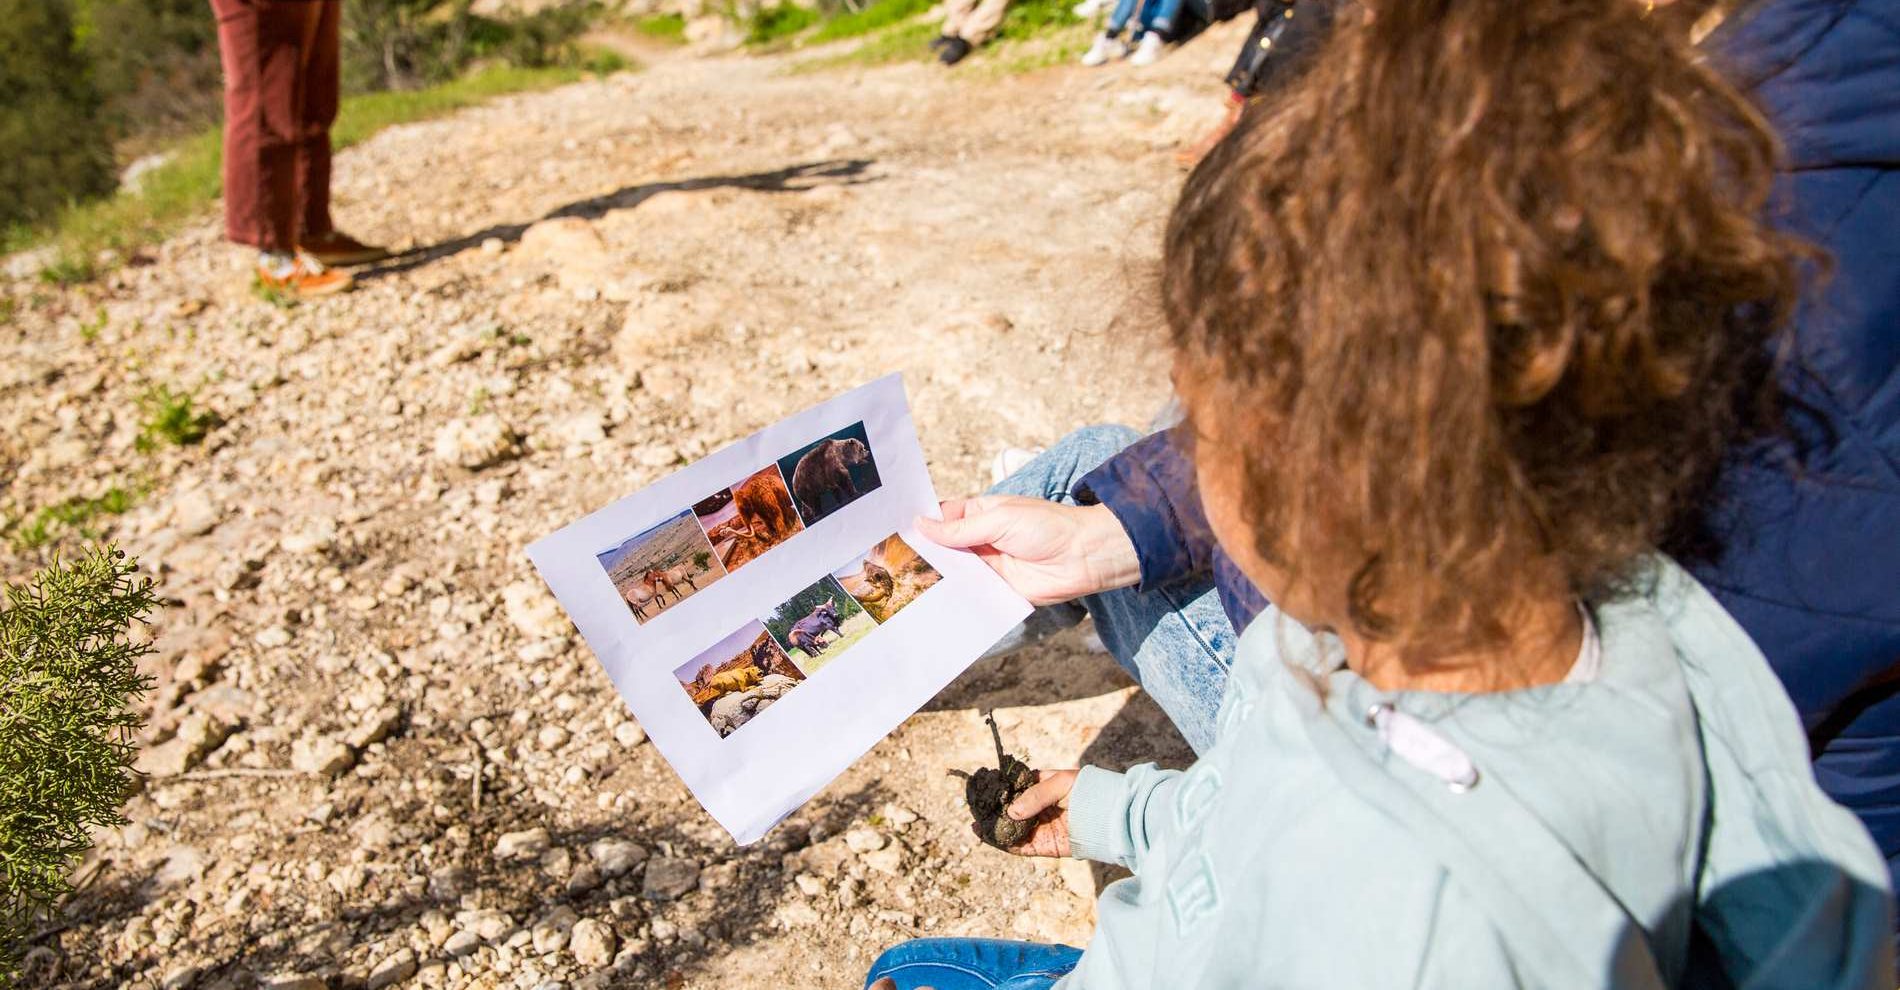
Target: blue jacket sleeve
pixel 1150 488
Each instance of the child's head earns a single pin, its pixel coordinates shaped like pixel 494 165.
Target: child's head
pixel 1473 311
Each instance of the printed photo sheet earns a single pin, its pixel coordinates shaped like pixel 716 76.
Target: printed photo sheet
pixel 768 613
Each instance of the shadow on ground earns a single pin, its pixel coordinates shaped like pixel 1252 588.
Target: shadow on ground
pixel 793 179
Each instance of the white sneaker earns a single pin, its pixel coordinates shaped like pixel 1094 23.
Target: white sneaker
pixel 1089 8
pixel 1104 49
pixel 1009 461
pixel 1149 51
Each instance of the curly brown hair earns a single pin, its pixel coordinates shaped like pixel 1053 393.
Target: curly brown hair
pixel 1487 294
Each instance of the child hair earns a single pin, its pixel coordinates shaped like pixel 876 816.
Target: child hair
pixel 1482 300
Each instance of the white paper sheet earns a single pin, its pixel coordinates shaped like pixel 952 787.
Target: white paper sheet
pixel 717 650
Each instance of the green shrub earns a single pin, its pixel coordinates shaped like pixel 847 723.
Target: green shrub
pixel 1028 18
pixel 74 515
pixel 880 14
pixel 404 44
pixel 155 63
pixel 52 147
pixel 69 687
pixel 169 417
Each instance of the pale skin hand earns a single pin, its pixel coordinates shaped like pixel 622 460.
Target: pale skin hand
pixel 1047 551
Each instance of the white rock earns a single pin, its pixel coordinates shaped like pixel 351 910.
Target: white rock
pixel 321 755
pixel 629 734
pixel 616 857
pixel 593 942
pixel 526 844
pixel 195 514
pixel 395 969
pixel 461 943
pixel 376 727
pixel 475 443
pixel 276 637
pixel 314 536
pixel 533 611
pixel 584 430
pixel 551 737
pixel 888 860
pixel 180 978
pixel 864 840
pixel 550 934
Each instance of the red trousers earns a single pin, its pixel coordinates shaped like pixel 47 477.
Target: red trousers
pixel 280 97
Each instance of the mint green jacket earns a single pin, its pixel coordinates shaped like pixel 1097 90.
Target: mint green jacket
pixel 1658 826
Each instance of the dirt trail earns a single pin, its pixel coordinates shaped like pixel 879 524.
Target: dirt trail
pixel 378 755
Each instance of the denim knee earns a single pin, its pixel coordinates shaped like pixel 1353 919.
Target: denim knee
pixel 1052 476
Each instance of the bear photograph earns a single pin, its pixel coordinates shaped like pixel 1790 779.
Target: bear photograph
pixel 749 518
pixel 830 474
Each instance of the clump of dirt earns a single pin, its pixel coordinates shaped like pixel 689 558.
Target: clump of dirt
pixel 990 790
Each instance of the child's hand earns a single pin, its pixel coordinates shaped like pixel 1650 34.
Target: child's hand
pixel 1051 835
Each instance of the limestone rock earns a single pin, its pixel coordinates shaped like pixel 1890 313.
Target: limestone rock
pixel 668 877
pixel 526 844
pixel 616 857
pixel 321 755
pixel 398 967
pixel 593 942
pixel 533 611
pixel 475 443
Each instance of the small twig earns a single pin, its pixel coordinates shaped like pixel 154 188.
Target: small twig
pixel 234 772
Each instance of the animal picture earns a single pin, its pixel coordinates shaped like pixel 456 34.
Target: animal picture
pixel 749 518
pixel 818 624
pixel 887 577
pixel 832 473
pixel 740 676
pixel 661 567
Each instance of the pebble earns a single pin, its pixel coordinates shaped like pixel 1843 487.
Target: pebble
pixel 321 755
pixel 520 845
pixel 398 967
pixel 550 934
pixel 668 877
pixel 593 942
pixel 864 840
pixel 475 443
pixel 616 857
pixel 629 734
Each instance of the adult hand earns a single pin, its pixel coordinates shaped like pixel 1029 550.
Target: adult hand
pixel 1040 803
pixel 1047 551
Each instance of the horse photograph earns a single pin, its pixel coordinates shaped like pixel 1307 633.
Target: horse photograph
pixel 749 518
pixel 831 473
pixel 657 569
pixel 738 677
pixel 887 577
pixel 818 624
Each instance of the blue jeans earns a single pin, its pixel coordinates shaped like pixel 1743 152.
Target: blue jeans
pixel 973 964
pixel 1156 15
pixel 1177 641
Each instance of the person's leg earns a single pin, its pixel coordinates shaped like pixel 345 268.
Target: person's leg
pixel 955 12
pixel 983 21
pixel 1177 641
pixel 260 47
pixel 1119 18
pixel 973 964
pixel 321 80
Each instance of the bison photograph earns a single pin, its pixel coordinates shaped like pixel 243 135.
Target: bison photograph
pixel 749 518
pixel 819 623
pixel 830 474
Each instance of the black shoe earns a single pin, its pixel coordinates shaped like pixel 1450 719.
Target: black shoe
pixel 953 51
pixel 939 41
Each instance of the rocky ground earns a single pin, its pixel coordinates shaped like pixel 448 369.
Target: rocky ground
pixel 378 755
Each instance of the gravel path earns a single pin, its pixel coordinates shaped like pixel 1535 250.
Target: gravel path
pixel 378 756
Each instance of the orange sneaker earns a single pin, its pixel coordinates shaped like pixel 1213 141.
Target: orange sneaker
pixel 307 278
pixel 340 250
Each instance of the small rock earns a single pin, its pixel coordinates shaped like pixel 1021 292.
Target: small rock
pixel 194 514
pixel 475 443
pixel 493 245
pixel 584 878
pixel 668 877
pixel 584 430
pixel 376 728
pixel 294 981
pixel 550 934
pixel 321 755
pixel 593 942
pixel 616 857
pixel 864 840
pixel 197 737
pixel 809 884
pixel 180 978
pixel 888 860
pixel 629 734
pixel 314 536
pixel 395 969
pixel 551 737
pixel 526 844
pixel 461 943
pixel 533 611
pixel 897 814
pixel 275 637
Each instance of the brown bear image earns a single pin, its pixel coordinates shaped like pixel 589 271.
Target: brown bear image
pixel 825 479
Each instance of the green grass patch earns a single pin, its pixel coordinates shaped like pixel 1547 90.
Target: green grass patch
pixel 172 418
pixel 78 514
pixel 778 22
pixel 1029 18
pixel 907 42
pixel 670 28
pixel 875 17
pixel 183 187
